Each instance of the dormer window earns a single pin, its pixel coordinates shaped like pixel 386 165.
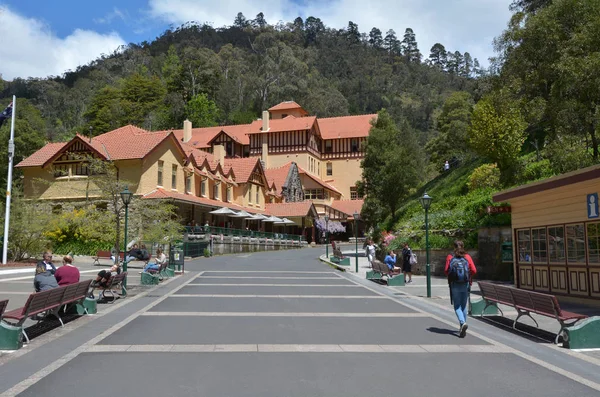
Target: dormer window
pixel 328 146
pixel 354 144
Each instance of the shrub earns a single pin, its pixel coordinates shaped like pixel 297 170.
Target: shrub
pixel 206 252
pixel 537 170
pixel 486 176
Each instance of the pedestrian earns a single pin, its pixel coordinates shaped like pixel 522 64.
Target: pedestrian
pixel 446 166
pixel 390 261
pixel 67 273
pixel 406 262
pixel 46 262
pixel 370 251
pixel 44 279
pixel 460 270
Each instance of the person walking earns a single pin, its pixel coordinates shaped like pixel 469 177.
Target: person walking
pixel 406 265
pixel 460 270
pixel 370 251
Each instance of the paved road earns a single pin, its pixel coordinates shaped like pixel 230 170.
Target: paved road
pixel 283 324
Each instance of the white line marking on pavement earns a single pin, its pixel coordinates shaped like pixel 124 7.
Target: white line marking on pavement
pixel 39 375
pixel 266 271
pixel 290 348
pixel 281 314
pixel 275 285
pixel 278 296
pixel 29 277
pixel 553 368
pixel 270 278
pixel 16 292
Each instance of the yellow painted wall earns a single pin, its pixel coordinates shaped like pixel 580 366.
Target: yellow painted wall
pixel 168 153
pixel 278 160
pixel 345 174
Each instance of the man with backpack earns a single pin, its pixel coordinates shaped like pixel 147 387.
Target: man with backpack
pixel 460 270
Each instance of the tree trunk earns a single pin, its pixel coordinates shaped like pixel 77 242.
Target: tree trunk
pixel 594 139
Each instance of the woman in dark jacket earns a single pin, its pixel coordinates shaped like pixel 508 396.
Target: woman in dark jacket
pixel 44 279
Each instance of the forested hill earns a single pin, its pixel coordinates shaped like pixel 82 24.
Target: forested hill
pixel 229 75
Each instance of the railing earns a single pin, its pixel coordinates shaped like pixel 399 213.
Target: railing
pixel 215 230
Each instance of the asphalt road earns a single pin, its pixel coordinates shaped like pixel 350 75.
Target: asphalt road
pixel 284 324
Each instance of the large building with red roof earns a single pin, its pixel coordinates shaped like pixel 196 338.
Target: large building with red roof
pixel 288 163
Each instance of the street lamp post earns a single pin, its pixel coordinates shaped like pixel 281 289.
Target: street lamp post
pixel 425 203
pixel 126 196
pixel 327 237
pixel 356 218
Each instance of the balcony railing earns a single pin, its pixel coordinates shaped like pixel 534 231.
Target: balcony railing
pixel 215 230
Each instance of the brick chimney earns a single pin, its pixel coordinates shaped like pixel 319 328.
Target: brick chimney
pixel 219 153
pixel 265 120
pixel 187 131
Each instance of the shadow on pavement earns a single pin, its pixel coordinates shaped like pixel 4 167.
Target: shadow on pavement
pixel 443 331
pixel 529 332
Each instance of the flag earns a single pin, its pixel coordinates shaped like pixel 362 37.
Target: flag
pixel 6 114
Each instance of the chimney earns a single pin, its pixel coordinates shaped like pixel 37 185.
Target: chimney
pixel 219 153
pixel 187 131
pixel 265 120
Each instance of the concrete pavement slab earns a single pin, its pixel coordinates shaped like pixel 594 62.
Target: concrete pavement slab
pixel 306 374
pixel 269 274
pixel 275 290
pixel 274 330
pixel 275 281
pixel 217 304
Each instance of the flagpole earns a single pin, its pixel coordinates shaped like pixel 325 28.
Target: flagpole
pixel 11 152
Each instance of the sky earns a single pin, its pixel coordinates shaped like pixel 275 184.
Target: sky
pixel 40 38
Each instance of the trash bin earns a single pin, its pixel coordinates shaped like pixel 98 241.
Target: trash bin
pixel 507 251
pixel 176 258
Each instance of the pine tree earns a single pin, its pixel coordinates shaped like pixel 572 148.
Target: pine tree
pixel 409 46
pixel 467 66
pixel 352 33
pixel 438 56
pixel 375 38
pixel 259 21
pixel 240 21
pixel 391 43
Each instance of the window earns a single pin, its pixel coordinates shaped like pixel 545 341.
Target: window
pixel 229 149
pixel 315 194
pixel 329 146
pixel 524 243
pixel 354 144
pixel 61 170
pixel 329 169
pixel 81 169
pixel 540 250
pixel 353 193
pixel 250 194
pixel 556 244
pixel 203 188
pixel 593 237
pixel 283 115
pixel 575 244
pixel 246 151
pixel 174 177
pixel 216 188
pixel 257 195
pixel 188 183
pixel 159 181
pixel 229 193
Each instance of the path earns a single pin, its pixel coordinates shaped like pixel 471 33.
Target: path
pixel 284 324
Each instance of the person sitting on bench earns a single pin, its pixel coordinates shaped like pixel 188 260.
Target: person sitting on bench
pixel 133 253
pixel 67 273
pixel 390 261
pixel 44 279
pixel 161 259
pixel 104 276
pixel 144 255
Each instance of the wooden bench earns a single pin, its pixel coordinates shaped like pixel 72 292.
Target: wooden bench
pixel 3 305
pixel 527 302
pixel 104 255
pixel 49 302
pixel 338 257
pixel 380 269
pixel 111 286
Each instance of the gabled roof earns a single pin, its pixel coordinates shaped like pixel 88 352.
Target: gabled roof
pixel 347 206
pixel 124 143
pixel 201 137
pixel 346 126
pixel 289 123
pixel 43 155
pixel 297 209
pixel 242 167
pixel 279 176
pixel 287 105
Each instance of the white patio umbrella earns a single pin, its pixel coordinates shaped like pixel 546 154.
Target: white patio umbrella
pixel 223 211
pixel 273 219
pixel 284 222
pixel 242 214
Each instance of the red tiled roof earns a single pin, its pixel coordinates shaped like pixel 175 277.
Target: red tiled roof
pixel 202 136
pixel 289 123
pixel 319 181
pixel 299 209
pixel 165 194
pixel 346 126
pixel 44 154
pixel 242 167
pixel 277 175
pixel 347 206
pixel 287 105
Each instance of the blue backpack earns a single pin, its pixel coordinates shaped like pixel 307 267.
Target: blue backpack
pixel 458 271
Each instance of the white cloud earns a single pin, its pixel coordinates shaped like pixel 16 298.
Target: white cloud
pixel 108 18
pixel 463 25
pixel 28 48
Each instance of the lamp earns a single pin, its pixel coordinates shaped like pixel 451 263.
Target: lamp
pixel 126 197
pixel 426 203
pixel 356 219
pixel 327 237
